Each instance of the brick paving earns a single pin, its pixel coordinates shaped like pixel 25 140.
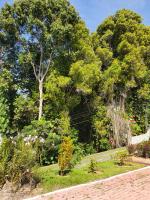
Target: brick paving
pixel 130 186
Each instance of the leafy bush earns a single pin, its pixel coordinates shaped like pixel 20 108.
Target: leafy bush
pixel 81 150
pixel 139 150
pixel 146 149
pixel 88 149
pixel 6 155
pixel 2 174
pixel 65 155
pixel 78 154
pixel 120 158
pixel 142 149
pixel 104 144
pixel 16 162
pixel 131 148
pixel 136 129
pixel 92 166
pixel 47 149
pixel 45 139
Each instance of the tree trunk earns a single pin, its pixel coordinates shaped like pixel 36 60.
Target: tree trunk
pixel 116 129
pixel 129 135
pixel 123 97
pixel 40 99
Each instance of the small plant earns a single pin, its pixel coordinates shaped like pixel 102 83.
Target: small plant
pixel 121 158
pixel 92 166
pixel 65 155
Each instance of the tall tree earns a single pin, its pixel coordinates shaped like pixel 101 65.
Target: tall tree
pixel 44 32
pixel 118 46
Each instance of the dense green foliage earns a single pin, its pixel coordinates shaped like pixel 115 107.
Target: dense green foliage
pixel 16 161
pixel 58 80
pixel 122 44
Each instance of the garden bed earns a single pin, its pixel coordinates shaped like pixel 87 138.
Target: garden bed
pixel 140 153
pixel 135 159
pixel 50 180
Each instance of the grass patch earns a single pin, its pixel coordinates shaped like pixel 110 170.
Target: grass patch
pixel 50 180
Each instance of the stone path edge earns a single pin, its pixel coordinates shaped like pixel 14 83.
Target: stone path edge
pixel 85 184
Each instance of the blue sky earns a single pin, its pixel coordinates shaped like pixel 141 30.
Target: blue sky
pixel 93 12
pixel 2 2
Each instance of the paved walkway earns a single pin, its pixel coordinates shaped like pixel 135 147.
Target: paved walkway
pixel 129 186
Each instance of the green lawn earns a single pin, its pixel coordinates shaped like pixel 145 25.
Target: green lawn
pixel 50 180
pixel 100 157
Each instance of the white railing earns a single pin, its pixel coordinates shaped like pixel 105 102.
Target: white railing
pixel 141 138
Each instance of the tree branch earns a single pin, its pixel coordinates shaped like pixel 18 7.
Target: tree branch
pixel 34 69
pixel 48 65
pixel 41 63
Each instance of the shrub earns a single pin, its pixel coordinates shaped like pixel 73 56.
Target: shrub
pixel 2 174
pixel 45 136
pixel 146 149
pixel 92 166
pixel 121 157
pixel 16 162
pixel 139 150
pixel 104 144
pixel 136 129
pixel 47 140
pixel 89 149
pixel 65 155
pixel 78 154
pixel 131 148
pixel 21 164
pixel 6 155
pixel 142 149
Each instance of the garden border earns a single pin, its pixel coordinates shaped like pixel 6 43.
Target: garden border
pixel 85 184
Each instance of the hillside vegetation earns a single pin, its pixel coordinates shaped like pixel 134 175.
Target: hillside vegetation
pixel 65 92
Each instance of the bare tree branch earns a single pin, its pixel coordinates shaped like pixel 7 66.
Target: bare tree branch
pixel 40 72
pixel 48 65
pixel 41 63
pixel 34 69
